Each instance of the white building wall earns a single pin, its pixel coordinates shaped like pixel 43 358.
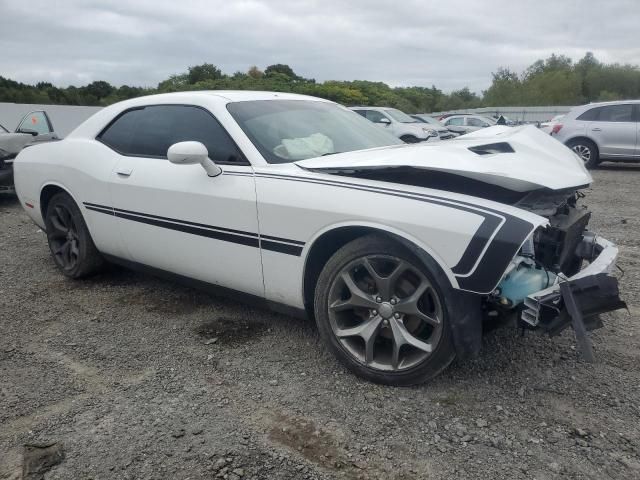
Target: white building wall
pixel 65 118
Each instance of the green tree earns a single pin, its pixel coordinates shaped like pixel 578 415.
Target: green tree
pixel 201 73
pixel 280 68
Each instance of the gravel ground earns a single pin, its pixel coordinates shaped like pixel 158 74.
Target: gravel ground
pixel 139 378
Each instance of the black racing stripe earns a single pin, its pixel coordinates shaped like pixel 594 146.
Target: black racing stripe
pixel 100 209
pixel 96 205
pixel 495 261
pixel 477 244
pixel 203 232
pixel 281 247
pixel 276 244
pixel 498 254
pixel 185 222
pixel 383 190
pixel 280 239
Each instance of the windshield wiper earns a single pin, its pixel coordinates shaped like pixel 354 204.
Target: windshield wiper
pixel 329 153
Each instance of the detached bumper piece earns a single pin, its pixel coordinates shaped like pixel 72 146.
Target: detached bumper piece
pixel 6 176
pixel 578 300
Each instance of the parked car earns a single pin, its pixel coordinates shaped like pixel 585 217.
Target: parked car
pixel 401 125
pixel 443 132
pixel 467 123
pixel 602 131
pixel 296 203
pixel 34 127
pixel 442 117
pixel 547 126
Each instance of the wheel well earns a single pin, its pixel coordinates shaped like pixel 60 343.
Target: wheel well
pixel 330 242
pixel 47 194
pixel 321 251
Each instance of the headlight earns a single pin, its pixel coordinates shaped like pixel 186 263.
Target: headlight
pixel 430 132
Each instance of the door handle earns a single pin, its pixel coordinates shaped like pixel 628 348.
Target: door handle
pixel 596 129
pixel 125 172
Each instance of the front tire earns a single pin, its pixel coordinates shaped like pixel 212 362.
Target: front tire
pixel 72 248
pixel 586 150
pixel 409 139
pixel 382 313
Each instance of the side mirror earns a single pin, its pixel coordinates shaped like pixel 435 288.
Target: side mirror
pixel 190 153
pixel 384 121
pixel 28 131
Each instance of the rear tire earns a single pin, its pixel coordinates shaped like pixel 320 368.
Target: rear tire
pixel 586 150
pixel 70 243
pixel 393 326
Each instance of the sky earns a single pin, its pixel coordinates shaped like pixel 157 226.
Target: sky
pixel 446 43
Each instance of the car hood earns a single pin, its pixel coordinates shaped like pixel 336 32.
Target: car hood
pixel 517 158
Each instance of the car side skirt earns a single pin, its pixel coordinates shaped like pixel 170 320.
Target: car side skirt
pixel 217 290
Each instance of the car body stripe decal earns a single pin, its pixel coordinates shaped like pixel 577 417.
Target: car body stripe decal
pixel 489 252
pixel 275 244
pixel 478 244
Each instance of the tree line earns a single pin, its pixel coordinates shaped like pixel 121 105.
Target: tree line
pixel 556 80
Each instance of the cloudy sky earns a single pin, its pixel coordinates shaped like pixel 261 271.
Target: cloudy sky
pixel 403 42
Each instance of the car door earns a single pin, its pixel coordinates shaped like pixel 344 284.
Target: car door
pixel 37 124
pixel 456 124
pixel 175 217
pixel 614 129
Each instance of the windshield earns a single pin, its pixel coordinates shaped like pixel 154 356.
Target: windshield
pixel 290 130
pixel 431 120
pixel 399 116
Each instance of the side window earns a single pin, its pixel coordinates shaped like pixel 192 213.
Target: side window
pixel 616 113
pixel 35 122
pixel 150 131
pixel 590 115
pixel 374 116
pixel 458 121
pixel 610 113
pixel 476 122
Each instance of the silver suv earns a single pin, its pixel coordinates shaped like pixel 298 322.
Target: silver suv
pixel 602 131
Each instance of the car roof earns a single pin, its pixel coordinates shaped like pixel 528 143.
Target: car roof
pixel 229 95
pixel 578 110
pixel 612 102
pixel 372 108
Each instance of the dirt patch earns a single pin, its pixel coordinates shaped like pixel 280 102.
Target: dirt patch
pixel 312 442
pixel 38 459
pixel 321 447
pixel 227 331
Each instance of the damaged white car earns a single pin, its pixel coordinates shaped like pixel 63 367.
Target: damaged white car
pixel 300 204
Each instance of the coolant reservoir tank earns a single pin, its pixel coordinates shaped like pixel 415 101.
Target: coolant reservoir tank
pixel 522 281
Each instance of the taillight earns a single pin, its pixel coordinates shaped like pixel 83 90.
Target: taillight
pixel 556 128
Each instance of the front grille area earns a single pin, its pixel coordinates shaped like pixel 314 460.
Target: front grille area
pixel 556 245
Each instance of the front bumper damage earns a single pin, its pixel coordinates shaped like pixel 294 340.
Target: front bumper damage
pixel 593 289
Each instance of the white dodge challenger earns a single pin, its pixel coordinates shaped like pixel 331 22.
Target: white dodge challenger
pixel 398 251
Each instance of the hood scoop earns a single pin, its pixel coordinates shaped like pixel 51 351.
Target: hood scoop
pixel 520 159
pixel 491 148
